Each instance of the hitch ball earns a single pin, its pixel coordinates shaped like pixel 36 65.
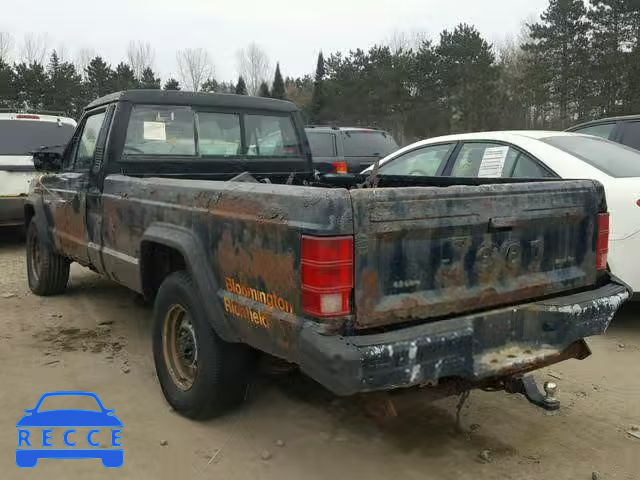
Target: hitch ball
pixel 550 390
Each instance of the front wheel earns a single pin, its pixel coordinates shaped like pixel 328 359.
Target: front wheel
pixel 201 376
pixel 47 272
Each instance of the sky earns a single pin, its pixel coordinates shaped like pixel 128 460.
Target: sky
pixel 291 32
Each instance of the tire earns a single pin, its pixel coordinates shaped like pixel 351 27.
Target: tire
pixel 47 272
pixel 182 338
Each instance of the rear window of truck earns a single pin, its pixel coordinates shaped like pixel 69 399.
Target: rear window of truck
pixel 20 137
pixel 181 131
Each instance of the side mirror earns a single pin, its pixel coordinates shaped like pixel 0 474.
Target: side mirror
pixel 47 161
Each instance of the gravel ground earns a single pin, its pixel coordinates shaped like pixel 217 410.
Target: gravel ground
pixel 96 338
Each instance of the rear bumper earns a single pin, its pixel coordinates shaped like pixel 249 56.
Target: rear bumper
pixel 12 211
pixel 494 344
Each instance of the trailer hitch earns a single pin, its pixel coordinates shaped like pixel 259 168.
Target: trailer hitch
pixel 526 385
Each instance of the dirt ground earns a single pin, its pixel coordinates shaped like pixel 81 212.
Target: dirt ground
pixel 96 338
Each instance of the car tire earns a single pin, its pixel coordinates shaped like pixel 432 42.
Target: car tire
pixel 47 272
pixel 201 375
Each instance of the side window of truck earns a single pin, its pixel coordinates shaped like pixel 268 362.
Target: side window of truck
pixel 271 136
pixel 87 142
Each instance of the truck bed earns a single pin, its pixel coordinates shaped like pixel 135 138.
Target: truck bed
pixel 422 252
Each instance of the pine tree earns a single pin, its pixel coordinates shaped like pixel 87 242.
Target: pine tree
pixel 631 98
pixel 210 85
pixel 31 85
pixel 318 99
pixel 277 89
pixel 428 116
pixel 172 84
pixel 468 75
pixel 560 46
pixel 98 78
pixel 54 63
pixel 7 86
pixel 64 87
pixel 263 91
pixel 241 86
pixel 609 37
pixel 124 78
pixel 149 80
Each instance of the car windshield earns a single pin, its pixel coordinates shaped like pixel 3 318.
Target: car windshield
pixel 69 402
pixel 611 158
pixel 20 137
pixel 368 143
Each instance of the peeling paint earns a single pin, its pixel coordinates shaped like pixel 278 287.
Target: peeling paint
pixel 415 372
pixel 610 303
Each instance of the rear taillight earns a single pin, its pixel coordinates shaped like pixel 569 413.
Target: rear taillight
pixel 340 167
pixel 27 116
pixel 602 248
pixel 327 275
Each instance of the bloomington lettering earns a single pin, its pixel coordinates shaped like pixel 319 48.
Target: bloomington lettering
pixel 257 318
pixel 269 299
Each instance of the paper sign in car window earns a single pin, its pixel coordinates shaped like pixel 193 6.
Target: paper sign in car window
pixel 493 162
pixel 155 131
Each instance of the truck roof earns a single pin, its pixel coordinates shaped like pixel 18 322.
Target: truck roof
pixel 202 99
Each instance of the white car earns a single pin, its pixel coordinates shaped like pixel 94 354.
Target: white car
pixel 535 154
pixel 21 133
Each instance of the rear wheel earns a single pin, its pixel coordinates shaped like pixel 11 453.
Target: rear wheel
pixel 47 272
pixel 201 376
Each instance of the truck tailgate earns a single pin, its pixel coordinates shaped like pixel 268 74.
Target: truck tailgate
pixel 428 252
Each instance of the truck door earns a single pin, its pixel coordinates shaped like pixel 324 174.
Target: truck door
pixel 66 191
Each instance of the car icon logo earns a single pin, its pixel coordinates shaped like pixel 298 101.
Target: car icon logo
pixel 35 433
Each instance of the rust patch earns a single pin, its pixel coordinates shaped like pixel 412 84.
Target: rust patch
pixel 419 305
pixel 250 263
pixel 518 359
pixel 70 230
pixel 370 290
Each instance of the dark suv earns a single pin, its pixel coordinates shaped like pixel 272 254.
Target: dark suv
pixel 348 149
pixel 624 130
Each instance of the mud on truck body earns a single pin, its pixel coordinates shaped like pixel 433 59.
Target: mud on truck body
pixel 208 205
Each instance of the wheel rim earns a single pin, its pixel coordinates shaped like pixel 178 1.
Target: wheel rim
pixel 180 347
pixel 34 249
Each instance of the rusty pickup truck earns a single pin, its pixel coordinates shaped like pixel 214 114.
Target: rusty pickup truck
pixel 208 205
